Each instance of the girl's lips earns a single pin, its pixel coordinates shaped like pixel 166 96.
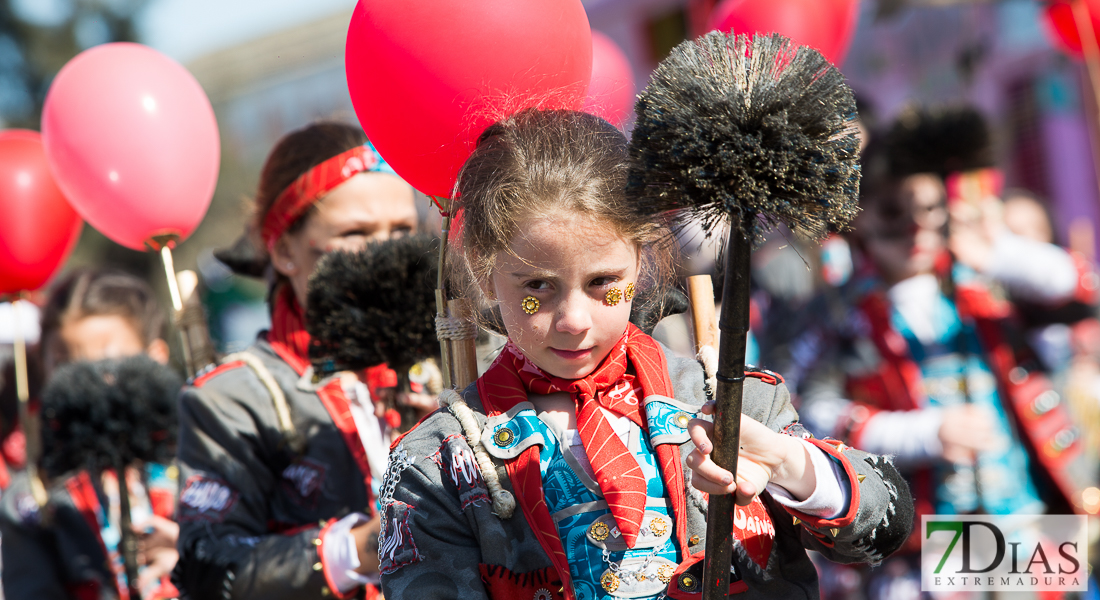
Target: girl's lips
pixel 572 354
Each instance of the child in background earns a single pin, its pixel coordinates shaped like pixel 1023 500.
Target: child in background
pixel 577 465
pixel 92 315
pixel 277 469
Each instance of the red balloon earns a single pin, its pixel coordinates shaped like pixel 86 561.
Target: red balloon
pixel 427 77
pixel 826 25
pixel 611 91
pixel 133 143
pixel 1062 27
pixel 38 228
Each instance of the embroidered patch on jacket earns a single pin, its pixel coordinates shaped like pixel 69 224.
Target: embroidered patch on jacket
pixel 205 499
pixel 396 547
pixel 457 460
pixel 502 584
pixel 27 507
pixel 797 430
pixel 303 480
pixel 754 535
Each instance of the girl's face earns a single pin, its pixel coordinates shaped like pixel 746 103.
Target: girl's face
pixel 369 207
pixel 568 263
pixel 904 232
pixel 99 337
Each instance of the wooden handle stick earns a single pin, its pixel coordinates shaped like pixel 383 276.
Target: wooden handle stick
pixel 704 323
pixel 464 351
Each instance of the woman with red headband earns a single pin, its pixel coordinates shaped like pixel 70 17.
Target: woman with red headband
pixel 276 470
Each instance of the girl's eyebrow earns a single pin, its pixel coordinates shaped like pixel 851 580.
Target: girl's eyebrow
pixel 539 274
pixel 532 274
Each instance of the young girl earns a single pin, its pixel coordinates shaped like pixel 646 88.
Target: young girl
pixel 92 315
pixel 578 465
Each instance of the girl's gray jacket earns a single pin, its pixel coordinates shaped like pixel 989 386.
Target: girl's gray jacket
pixel 253 505
pixel 442 540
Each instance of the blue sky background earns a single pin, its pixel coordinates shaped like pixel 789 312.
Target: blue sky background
pixel 187 29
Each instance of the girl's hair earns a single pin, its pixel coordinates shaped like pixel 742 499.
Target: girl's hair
pixel 296 153
pixel 541 162
pixel 90 292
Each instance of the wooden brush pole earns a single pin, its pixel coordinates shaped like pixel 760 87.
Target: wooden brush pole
pixel 464 351
pixel 727 411
pixel 704 323
pixel 128 543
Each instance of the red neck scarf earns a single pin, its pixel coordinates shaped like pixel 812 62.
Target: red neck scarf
pixel 610 386
pixel 288 333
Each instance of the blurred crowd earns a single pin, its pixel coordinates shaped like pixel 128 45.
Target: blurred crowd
pixel 950 328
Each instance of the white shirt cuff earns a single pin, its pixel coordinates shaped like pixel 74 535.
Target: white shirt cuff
pixel 340 555
pixel 832 494
pixel 1033 270
pixel 910 436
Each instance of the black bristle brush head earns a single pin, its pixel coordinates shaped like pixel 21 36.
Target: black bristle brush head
pixel 940 140
pixel 374 306
pixel 98 415
pixel 732 126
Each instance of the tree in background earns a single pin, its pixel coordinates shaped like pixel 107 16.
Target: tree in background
pixel 37 38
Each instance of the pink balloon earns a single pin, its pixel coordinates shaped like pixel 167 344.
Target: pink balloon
pixel 426 77
pixel 133 143
pixel 826 25
pixel 611 91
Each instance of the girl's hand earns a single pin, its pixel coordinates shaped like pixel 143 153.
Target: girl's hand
pixel 157 539
pixel 366 541
pixel 765 456
pixel 966 430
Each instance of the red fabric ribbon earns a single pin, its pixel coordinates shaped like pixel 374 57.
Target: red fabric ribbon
pixel 293 202
pixel 610 386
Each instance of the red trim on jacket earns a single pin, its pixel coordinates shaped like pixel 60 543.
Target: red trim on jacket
pixel 202 379
pixel 526 476
pixel 674 591
pixel 835 449
pixel 86 501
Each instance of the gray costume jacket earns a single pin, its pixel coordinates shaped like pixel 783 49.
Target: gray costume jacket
pixel 58 552
pixel 441 539
pixel 255 501
pixel 61 559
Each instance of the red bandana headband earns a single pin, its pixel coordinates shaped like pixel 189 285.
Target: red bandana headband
pixel 296 199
